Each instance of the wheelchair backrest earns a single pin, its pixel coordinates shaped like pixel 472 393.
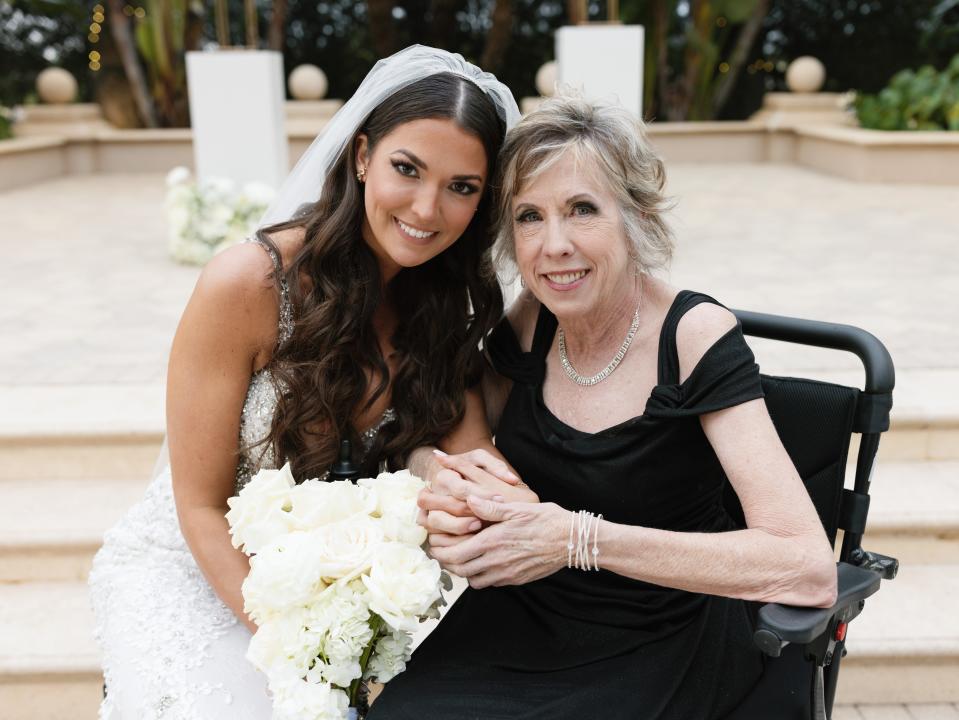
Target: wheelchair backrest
pixel 815 423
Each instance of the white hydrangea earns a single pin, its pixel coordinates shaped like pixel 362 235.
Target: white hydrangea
pixel 285 645
pixel 390 656
pixel 207 217
pixel 301 700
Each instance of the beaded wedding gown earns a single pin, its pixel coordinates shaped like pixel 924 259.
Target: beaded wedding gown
pixel 172 650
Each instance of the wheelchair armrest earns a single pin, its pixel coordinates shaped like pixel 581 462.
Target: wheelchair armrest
pixel 779 625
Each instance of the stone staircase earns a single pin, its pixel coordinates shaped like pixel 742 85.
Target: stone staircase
pixel 64 481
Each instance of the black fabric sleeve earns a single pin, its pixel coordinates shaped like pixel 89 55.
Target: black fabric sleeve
pixel 506 356
pixel 726 375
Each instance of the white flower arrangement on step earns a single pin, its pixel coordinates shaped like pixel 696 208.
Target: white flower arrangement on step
pixel 338 580
pixel 207 217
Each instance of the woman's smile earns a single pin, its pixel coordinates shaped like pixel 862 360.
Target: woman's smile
pixel 565 280
pixel 414 234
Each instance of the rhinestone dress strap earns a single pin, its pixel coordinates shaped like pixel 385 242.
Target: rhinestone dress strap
pixel 285 325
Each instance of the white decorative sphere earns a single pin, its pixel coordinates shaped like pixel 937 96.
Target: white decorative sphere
pixel 56 86
pixel 546 79
pixel 805 75
pixel 308 82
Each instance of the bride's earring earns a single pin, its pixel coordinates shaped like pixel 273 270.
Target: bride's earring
pixel 361 175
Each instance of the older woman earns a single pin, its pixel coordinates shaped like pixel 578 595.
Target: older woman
pixel 625 405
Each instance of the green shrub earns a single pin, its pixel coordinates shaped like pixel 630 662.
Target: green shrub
pixel 920 100
pixel 6 122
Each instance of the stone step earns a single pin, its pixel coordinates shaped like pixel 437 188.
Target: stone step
pixel 914 511
pixel 50 528
pixel 80 431
pixel 903 649
pixel 49 663
pixel 115 431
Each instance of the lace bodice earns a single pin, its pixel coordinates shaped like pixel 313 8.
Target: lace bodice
pixel 259 406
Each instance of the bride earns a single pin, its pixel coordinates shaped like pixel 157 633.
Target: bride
pixel 355 313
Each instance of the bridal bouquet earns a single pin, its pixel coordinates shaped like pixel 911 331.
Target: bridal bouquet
pixel 207 217
pixel 338 580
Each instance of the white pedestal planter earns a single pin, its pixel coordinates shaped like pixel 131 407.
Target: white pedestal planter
pixel 604 61
pixel 237 113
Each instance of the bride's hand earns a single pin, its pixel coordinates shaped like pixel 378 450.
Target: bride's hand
pixel 481 474
pixel 443 508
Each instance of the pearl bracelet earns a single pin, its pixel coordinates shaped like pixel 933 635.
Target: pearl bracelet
pixel 578 554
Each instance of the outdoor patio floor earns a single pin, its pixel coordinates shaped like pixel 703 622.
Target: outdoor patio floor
pixel 90 297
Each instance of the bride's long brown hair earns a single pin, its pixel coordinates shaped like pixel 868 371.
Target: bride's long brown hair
pixel 445 306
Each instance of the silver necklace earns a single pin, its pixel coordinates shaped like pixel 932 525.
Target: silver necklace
pixel 606 371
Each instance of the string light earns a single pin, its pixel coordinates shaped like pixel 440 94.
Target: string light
pixel 140 13
pixel 128 10
pixel 724 67
pixel 721 21
pixel 94 37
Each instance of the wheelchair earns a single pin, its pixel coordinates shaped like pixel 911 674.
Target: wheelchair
pixel 816 420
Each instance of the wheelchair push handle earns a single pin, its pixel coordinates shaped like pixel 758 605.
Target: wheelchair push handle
pixel 880 372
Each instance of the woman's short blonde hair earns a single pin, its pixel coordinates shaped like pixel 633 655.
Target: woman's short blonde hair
pixel 615 141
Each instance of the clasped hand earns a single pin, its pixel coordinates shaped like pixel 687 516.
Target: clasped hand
pixel 485 525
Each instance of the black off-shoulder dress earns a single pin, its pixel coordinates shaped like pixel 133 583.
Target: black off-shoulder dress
pixel 595 644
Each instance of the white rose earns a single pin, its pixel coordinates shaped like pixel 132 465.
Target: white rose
pixel 402 584
pixel 178 176
pixel 404 528
pixel 299 700
pixel 393 488
pixel 396 495
pixel 390 655
pixel 316 503
pixel 346 548
pixel 260 513
pixel 285 574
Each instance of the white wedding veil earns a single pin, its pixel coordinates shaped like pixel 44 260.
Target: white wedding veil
pixel 304 183
pixel 386 78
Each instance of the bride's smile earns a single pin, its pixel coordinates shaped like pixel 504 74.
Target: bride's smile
pixel 423 184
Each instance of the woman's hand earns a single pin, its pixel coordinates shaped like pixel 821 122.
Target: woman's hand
pixel 523 542
pixel 479 473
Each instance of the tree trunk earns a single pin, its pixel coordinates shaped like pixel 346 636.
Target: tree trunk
pixel 276 36
pixel 381 26
pixel 661 17
pixel 123 37
pixel 744 43
pixel 497 41
pixel 576 11
pixel 685 87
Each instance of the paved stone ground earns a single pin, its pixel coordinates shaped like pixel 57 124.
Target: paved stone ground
pixel 89 296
